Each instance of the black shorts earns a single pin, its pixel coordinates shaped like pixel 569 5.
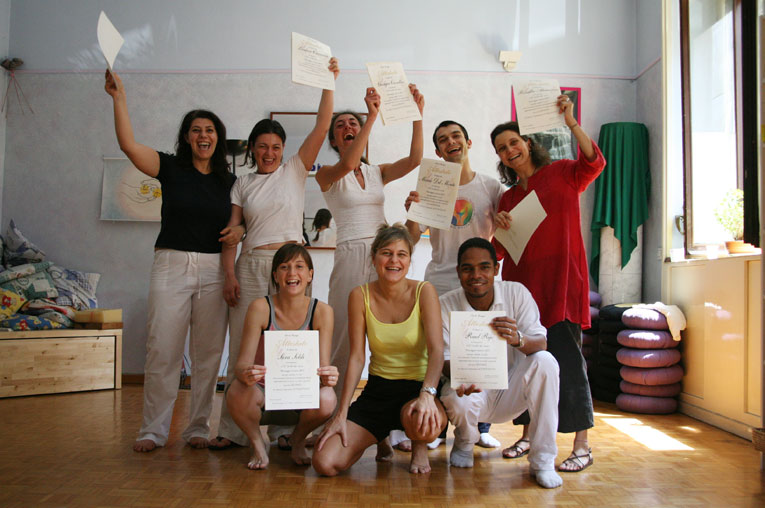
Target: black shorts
pixel 378 408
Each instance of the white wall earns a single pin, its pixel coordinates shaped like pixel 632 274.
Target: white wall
pixel 52 184
pixel 5 20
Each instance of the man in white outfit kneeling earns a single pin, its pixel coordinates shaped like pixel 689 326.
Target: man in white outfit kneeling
pixel 532 372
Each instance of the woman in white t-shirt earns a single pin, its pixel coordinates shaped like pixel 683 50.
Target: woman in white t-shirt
pixel 270 203
pixel 353 190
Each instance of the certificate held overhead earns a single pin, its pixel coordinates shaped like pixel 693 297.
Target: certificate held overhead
pixel 310 62
pixel 397 104
pixel 109 39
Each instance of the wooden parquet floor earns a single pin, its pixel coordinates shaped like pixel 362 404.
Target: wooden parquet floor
pixel 74 450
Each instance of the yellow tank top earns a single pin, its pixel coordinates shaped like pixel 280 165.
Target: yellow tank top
pixel 399 350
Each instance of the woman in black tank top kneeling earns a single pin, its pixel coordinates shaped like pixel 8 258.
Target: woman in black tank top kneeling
pixel 288 309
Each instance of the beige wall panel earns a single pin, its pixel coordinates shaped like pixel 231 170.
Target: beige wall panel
pixel 687 292
pixel 753 340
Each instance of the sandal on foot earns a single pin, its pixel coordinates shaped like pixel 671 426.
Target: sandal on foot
pixel 283 442
pixel 580 462
pixel 517 450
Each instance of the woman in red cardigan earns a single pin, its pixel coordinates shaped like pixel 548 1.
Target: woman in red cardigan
pixel 554 265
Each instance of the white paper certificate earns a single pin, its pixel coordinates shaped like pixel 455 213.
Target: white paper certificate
pixel 292 359
pixel 527 216
pixel 478 355
pixel 396 102
pixel 310 62
pixel 437 185
pixel 109 39
pixel 536 105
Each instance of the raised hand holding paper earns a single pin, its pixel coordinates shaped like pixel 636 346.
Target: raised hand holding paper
pixel 437 185
pixel 527 216
pixel 310 62
pixel 109 39
pixel 536 104
pixel 396 102
pixel 478 355
pixel 292 362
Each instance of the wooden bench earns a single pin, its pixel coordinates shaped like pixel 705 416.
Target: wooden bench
pixel 58 361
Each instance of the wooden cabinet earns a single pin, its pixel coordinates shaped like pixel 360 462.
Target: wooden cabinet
pixel 722 343
pixel 57 361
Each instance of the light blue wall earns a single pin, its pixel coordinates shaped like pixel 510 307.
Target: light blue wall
pixel 566 36
pixel 5 20
pixel 52 184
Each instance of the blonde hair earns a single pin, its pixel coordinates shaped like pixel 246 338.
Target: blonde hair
pixel 387 234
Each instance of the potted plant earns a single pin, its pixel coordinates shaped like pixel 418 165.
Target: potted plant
pixel 730 214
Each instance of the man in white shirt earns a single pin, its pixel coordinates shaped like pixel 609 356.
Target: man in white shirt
pixel 477 198
pixel 532 371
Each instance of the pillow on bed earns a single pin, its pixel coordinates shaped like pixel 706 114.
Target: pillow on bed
pixel 18 250
pixel 21 322
pixel 32 287
pixel 75 289
pixel 24 270
pixel 10 302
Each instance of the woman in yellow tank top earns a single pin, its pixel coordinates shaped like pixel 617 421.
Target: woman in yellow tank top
pixel 402 319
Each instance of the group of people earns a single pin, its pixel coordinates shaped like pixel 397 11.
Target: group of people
pixel 196 281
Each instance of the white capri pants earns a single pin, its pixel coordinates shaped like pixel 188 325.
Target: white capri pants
pixel 353 267
pixel 533 385
pixel 185 296
pixel 253 271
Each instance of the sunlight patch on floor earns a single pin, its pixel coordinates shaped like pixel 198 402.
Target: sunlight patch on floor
pixel 646 435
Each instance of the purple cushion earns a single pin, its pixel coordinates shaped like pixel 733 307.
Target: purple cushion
pixel 646 405
pixel 651 377
pixel 651 391
pixel 594 313
pixel 646 339
pixel 588 340
pixel 645 319
pixel 587 351
pixel 595 299
pixel 648 358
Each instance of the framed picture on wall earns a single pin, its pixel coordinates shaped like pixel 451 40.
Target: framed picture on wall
pixel 297 126
pixel 559 142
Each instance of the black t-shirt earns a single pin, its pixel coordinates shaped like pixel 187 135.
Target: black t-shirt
pixel 195 207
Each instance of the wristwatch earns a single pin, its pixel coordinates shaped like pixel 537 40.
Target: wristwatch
pixel 521 340
pixel 430 390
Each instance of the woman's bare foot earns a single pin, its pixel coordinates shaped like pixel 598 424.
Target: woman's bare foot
pixel 419 463
pixel 220 443
pixel 404 446
pixel 384 451
pixel 299 454
pixel 144 445
pixel 199 442
pixel 259 457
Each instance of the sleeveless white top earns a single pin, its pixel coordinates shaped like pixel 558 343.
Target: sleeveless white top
pixel 357 212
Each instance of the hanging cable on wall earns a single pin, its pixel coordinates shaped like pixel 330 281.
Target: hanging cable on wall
pixel 10 65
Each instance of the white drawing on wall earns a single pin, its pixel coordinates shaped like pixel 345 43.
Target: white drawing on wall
pixel 128 194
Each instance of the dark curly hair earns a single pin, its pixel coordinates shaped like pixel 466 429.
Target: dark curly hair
pixel 539 155
pixel 218 163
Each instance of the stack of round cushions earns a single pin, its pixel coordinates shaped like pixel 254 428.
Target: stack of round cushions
pixel 590 335
pixel 651 373
pixel 604 374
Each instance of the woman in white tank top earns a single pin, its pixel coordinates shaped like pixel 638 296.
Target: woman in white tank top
pixel 353 190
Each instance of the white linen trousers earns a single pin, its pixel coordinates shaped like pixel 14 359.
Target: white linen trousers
pixel 185 296
pixel 533 385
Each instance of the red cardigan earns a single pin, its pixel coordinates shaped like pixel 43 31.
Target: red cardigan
pixel 554 265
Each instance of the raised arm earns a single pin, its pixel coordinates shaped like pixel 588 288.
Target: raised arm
pixel 351 158
pixel 401 167
pixel 228 257
pixel 411 226
pixel 566 107
pixel 310 148
pixel 255 322
pixel 145 158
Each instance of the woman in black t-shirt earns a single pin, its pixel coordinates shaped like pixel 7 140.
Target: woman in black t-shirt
pixel 186 290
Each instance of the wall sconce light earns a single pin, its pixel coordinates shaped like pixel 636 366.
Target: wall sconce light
pixel 509 59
